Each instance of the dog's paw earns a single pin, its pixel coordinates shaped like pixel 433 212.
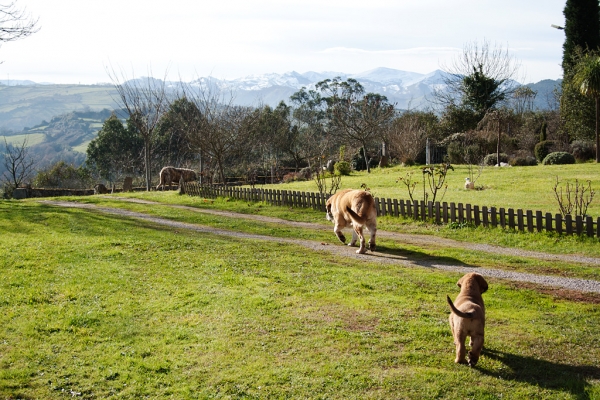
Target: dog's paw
pixel 472 360
pixel 372 246
pixel 362 250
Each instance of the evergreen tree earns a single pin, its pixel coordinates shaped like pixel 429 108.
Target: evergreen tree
pixel 582 34
pixel 582 29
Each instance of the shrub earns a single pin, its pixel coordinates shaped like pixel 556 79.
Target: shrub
pixel 559 157
pixel 295 176
pixel 542 149
pixel 583 150
pixel 358 161
pixel 491 159
pixel 63 175
pixel 305 173
pixel 522 161
pixel 342 168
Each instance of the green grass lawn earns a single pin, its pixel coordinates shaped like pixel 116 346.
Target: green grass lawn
pixel 96 306
pixel 528 188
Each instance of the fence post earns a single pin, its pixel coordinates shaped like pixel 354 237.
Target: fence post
pixel 529 221
pixel 485 216
pixel 520 222
pixel 511 218
pixel 502 217
pixel 494 217
pixel 589 226
pixel 569 224
pixel 396 208
pixel 416 210
pixel 579 224
pixel 445 212
pixel 469 213
pixel 559 224
pixel 476 215
pixel 452 212
pixel 460 213
pixel 437 212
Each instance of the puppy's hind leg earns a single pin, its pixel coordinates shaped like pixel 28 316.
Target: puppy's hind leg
pixel 476 346
pixel 461 351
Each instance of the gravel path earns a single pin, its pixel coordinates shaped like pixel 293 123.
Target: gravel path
pixel 580 285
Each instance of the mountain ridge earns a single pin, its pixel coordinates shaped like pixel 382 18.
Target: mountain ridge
pixel 29 103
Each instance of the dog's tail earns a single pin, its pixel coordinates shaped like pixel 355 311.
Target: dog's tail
pixel 457 311
pixel 355 217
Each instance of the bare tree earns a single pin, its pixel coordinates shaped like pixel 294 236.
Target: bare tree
pixel 481 78
pixel 407 134
pixel 18 165
pixel 523 98
pixel 225 130
pixel 145 101
pixel 16 23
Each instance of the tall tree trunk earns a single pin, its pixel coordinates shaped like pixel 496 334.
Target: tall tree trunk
pixel 498 144
pixel 147 162
pixel 597 134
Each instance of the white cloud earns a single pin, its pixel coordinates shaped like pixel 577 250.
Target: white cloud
pixel 234 38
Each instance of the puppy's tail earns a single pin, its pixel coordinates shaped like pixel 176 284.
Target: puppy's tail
pixel 355 217
pixel 457 311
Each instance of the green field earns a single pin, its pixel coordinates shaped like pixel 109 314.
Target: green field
pixel 17 140
pixel 511 187
pixel 97 305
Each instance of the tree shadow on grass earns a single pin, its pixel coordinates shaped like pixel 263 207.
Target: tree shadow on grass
pixel 546 374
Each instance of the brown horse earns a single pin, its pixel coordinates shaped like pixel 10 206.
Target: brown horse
pixel 172 174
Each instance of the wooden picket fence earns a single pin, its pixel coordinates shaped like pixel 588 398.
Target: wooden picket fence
pixel 440 213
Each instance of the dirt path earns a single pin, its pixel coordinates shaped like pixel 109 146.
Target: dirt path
pixel 570 284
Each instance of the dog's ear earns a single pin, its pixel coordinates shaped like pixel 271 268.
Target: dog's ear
pixel 483 285
pixel 459 283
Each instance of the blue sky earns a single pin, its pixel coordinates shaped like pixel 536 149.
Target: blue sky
pixel 80 39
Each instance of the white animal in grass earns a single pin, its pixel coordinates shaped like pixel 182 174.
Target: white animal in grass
pixel 469 184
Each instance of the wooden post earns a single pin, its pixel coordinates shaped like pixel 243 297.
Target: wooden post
pixel 589 226
pixel 486 217
pixel 569 224
pixel 559 224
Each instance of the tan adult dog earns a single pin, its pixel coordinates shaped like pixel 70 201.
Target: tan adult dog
pixel 354 208
pixel 468 317
pixel 171 174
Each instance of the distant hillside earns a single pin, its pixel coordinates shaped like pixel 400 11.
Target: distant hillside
pixel 60 120
pixel 28 105
pixel 545 89
pixel 64 137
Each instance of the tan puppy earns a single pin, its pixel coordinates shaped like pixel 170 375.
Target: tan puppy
pixel 468 317
pixel 354 208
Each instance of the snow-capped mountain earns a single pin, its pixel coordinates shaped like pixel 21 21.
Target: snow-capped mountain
pixel 406 89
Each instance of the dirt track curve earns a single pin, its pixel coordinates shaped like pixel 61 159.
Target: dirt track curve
pixel 574 284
